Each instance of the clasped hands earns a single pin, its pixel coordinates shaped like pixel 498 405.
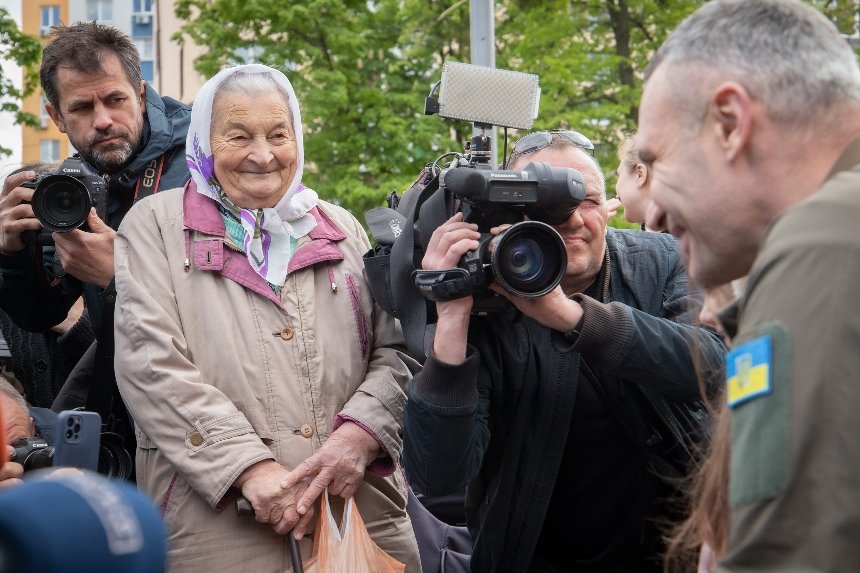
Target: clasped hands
pixel 284 499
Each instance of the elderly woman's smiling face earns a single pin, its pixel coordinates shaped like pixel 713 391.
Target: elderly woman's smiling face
pixel 253 147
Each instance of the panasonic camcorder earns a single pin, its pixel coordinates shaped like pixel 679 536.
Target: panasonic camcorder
pixel 527 259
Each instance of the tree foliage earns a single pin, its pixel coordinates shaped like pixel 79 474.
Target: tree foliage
pixel 25 51
pixel 362 68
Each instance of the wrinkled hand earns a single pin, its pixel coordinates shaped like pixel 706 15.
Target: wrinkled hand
pixel 16 213
pixel 261 484
pixel 88 256
pixel 338 465
pixel 11 472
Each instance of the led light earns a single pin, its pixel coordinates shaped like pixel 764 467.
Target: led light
pixel 488 95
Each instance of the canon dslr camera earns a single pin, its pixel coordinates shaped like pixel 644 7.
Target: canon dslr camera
pixel 32 453
pixel 63 198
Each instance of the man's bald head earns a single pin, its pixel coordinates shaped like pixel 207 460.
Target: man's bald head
pixel 16 415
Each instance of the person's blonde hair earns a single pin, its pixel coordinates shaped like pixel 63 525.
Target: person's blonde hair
pixel 628 153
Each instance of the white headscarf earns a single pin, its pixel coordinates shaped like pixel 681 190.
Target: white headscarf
pixel 268 232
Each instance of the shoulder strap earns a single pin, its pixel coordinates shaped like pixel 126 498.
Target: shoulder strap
pixel 427 213
pixel 147 183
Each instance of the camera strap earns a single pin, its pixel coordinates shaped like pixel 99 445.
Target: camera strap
pixel 411 304
pixel 147 183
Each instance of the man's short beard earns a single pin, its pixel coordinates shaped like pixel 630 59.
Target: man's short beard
pixel 109 161
pixel 114 159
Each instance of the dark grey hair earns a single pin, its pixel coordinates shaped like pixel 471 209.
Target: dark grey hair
pixel 788 55
pixel 80 48
pixel 7 388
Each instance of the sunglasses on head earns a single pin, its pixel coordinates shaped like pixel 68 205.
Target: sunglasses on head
pixel 538 140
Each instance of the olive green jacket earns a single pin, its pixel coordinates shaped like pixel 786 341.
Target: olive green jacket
pixel 794 378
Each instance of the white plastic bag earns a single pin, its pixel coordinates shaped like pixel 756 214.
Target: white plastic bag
pixel 347 548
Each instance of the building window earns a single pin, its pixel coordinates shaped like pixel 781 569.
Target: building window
pixel 48 16
pixel 44 118
pixel 49 150
pixel 142 6
pixel 101 10
pixel 144 47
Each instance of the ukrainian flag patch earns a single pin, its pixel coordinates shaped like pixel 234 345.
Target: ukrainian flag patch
pixel 749 370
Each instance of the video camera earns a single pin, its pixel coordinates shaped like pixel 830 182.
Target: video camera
pixel 527 259
pixel 63 198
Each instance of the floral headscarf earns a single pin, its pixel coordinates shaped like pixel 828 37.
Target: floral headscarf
pixel 268 232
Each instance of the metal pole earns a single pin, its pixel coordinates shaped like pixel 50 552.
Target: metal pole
pixel 482 42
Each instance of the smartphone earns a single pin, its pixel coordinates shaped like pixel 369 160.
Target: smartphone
pixel 76 440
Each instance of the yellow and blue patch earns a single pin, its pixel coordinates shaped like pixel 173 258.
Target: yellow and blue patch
pixel 749 369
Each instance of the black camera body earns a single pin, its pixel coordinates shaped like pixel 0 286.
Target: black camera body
pixel 33 453
pixel 63 198
pixel 529 258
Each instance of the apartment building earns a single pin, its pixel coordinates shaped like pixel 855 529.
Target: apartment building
pixel 165 64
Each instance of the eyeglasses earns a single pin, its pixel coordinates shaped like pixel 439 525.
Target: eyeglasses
pixel 538 140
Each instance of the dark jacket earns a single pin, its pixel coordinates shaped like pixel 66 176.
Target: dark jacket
pixel 41 361
pixel 26 291
pixel 500 420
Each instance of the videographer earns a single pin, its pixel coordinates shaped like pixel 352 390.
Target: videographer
pixel 124 132
pixel 565 413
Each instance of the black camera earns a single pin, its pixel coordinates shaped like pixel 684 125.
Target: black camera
pixel 113 460
pixel 33 453
pixel 63 198
pixel 528 258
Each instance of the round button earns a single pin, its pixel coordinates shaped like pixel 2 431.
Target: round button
pixel 111 298
pixel 196 439
pixel 307 431
pixel 41 366
pixel 287 333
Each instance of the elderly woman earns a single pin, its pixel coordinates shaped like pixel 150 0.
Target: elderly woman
pixel 249 350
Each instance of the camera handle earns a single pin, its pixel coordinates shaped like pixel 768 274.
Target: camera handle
pixel 449 284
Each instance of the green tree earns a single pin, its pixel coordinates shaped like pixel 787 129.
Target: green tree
pixel 362 69
pixel 24 50
pixel 359 81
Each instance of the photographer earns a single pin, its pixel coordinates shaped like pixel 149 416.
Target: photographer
pixel 564 414
pixel 17 424
pixel 124 132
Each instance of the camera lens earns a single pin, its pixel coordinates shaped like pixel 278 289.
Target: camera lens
pixel 38 459
pixel 61 203
pixel 114 460
pixel 528 259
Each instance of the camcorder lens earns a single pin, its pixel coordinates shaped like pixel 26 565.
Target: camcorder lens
pixel 528 259
pixel 61 203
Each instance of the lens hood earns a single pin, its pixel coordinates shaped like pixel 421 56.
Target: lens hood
pixel 61 203
pixel 528 259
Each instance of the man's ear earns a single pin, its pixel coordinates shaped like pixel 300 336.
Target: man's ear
pixel 56 117
pixel 731 111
